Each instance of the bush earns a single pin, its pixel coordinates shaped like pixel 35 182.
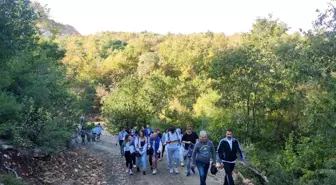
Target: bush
pixel 10 180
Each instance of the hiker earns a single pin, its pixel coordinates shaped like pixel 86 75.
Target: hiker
pixel 173 140
pixel 128 153
pixel 134 135
pixel 158 132
pixel 181 146
pixel 227 154
pixel 141 149
pixel 189 139
pixel 99 131
pixel 150 150
pixel 203 151
pixel 94 132
pixel 148 130
pixel 121 138
pixel 163 140
pixel 156 145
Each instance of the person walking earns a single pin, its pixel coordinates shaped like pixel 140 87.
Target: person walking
pixel 181 146
pixel 128 153
pixel 173 140
pixel 163 140
pixel 141 149
pixel 156 145
pixel 121 137
pixel 189 139
pixel 227 154
pixel 204 150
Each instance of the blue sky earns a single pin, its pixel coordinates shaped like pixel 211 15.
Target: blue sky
pixel 180 16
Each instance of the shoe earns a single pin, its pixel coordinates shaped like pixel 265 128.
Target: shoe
pixel 154 172
pixel 188 174
pixel 127 171
pixel 193 170
pixel 130 172
pixel 138 169
pixel 152 168
pixel 144 172
pixel 176 170
pixel 182 164
pixel 171 170
pixel 134 166
pixel 160 159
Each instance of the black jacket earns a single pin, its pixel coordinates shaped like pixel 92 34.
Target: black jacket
pixel 225 154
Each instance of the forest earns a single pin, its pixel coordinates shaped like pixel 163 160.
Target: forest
pixel 276 90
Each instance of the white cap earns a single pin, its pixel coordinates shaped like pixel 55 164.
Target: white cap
pixel 203 133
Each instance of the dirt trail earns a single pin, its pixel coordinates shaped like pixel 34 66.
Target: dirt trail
pixel 115 168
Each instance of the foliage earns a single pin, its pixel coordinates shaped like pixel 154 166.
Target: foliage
pixel 11 180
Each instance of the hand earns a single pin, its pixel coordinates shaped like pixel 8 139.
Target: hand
pixel 193 166
pixel 219 165
pixel 140 153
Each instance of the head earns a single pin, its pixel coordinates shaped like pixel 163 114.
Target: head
pixel 155 135
pixel 151 134
pixel 167 130
pixel 203 136
pixel 98 124
pixel 142 127
pixel 229 133
pixel 172 130
pixel 148 126
pixel 132 133
pixel 188 130
pixel 142 133
pixel 124 129
pixel 157 130
pixel 178 130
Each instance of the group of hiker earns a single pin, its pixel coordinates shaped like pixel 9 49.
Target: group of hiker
pixel 197 151
pixel 91 134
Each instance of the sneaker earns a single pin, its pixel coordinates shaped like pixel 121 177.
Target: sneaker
pixel 188 174
pixel 152 168
pixel 176 170
pixel 127 171
pixel 154 172
pixel 144 172
pixel 130 172
pixel 160 159
pixel 134 166
pixel 171 170
pixel 182 164
pixel 138 169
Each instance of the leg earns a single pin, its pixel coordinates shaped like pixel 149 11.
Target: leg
pixel 121 148
pixel 201 171
pixel 163 150
pixel 206 170
pixel 228 167
pixel 133 159
pixel 188 161
pixel 150 161
pixel 170 153
pixel 176 156
pixel 144 160
pixel 181 152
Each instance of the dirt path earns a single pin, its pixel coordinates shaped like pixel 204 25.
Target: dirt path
pixel 115 168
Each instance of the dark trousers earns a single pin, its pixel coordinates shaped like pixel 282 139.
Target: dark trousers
pixel 203 169
pixel 94 137
pixel 150 161
pixel 128 157
pixel 163 150
pixel 228 167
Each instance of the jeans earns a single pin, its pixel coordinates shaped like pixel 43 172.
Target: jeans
pixel 181 153
pixel 203 169
pixel 128 157
pixel 121 147
pixel 173 155
pixel 228 167
pixel 142 159
pixel 188 163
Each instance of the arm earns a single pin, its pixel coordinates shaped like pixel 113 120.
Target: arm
pixel 220 151
pixel 194 154
pixel 213 152
pixel 160 147
pixel 183 139
pixel 240 151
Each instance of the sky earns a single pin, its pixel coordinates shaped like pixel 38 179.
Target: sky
pixel 180 16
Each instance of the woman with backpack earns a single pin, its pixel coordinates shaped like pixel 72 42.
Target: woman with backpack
pixel 141 150
pixel 128 152
pixel 173 140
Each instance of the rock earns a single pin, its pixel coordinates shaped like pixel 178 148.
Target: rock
pixel 6 147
